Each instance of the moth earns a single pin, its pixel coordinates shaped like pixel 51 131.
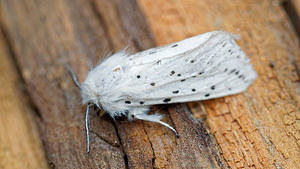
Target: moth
pixel 206 66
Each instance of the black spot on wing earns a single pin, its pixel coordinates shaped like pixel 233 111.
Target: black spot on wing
pixel 141 102
pixel 174 45
pixel 152 84
pixel 166 100
pixel 127 102
pixel 172 73
pixel 232 71
pixel 152 52
pixel 207 95
pixel 242 77
pixel 138 76
pixel 213 87
pixel 175 92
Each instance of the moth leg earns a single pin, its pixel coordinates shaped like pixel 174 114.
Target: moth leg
pixel 87 129
pixel 152 118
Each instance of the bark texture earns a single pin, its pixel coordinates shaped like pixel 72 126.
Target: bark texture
pixel 259 128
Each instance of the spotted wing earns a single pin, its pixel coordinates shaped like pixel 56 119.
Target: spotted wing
pixel 206 66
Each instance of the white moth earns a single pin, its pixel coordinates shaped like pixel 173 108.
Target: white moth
pixel 203 67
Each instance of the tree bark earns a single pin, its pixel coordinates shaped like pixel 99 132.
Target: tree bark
pixel 19 137
pixel 255 129
pixel 258 128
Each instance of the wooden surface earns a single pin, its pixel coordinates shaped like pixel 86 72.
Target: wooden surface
pixel 20 145
pixel 259 128
pixel 292 8
pixel 296 5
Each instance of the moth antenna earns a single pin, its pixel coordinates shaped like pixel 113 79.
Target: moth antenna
pixel 87 127
pixel 73 77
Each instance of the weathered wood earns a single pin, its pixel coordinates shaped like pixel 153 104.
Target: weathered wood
pixel 20 144
pixel 259 128
pixel 77 32
pixel 292 8
pixel 296 5
pixel 57 33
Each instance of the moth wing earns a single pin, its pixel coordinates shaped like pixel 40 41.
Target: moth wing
pixel 203 67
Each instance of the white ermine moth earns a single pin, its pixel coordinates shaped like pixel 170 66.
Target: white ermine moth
pixel 203 67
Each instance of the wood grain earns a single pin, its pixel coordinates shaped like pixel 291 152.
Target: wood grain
pixel 77 33
pixel 20 144
pixel 292 8
pixel 258 128
pixel 296 4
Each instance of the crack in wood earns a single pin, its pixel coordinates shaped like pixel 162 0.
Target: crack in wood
pixel 296 68
pixel 105 140
pixel 154 157
pixel 121 145
pixel 291 12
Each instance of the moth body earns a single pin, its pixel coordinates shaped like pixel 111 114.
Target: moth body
pixel 203 67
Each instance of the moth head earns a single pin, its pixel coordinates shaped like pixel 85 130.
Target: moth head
pixel 90 93
pixel 88 90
